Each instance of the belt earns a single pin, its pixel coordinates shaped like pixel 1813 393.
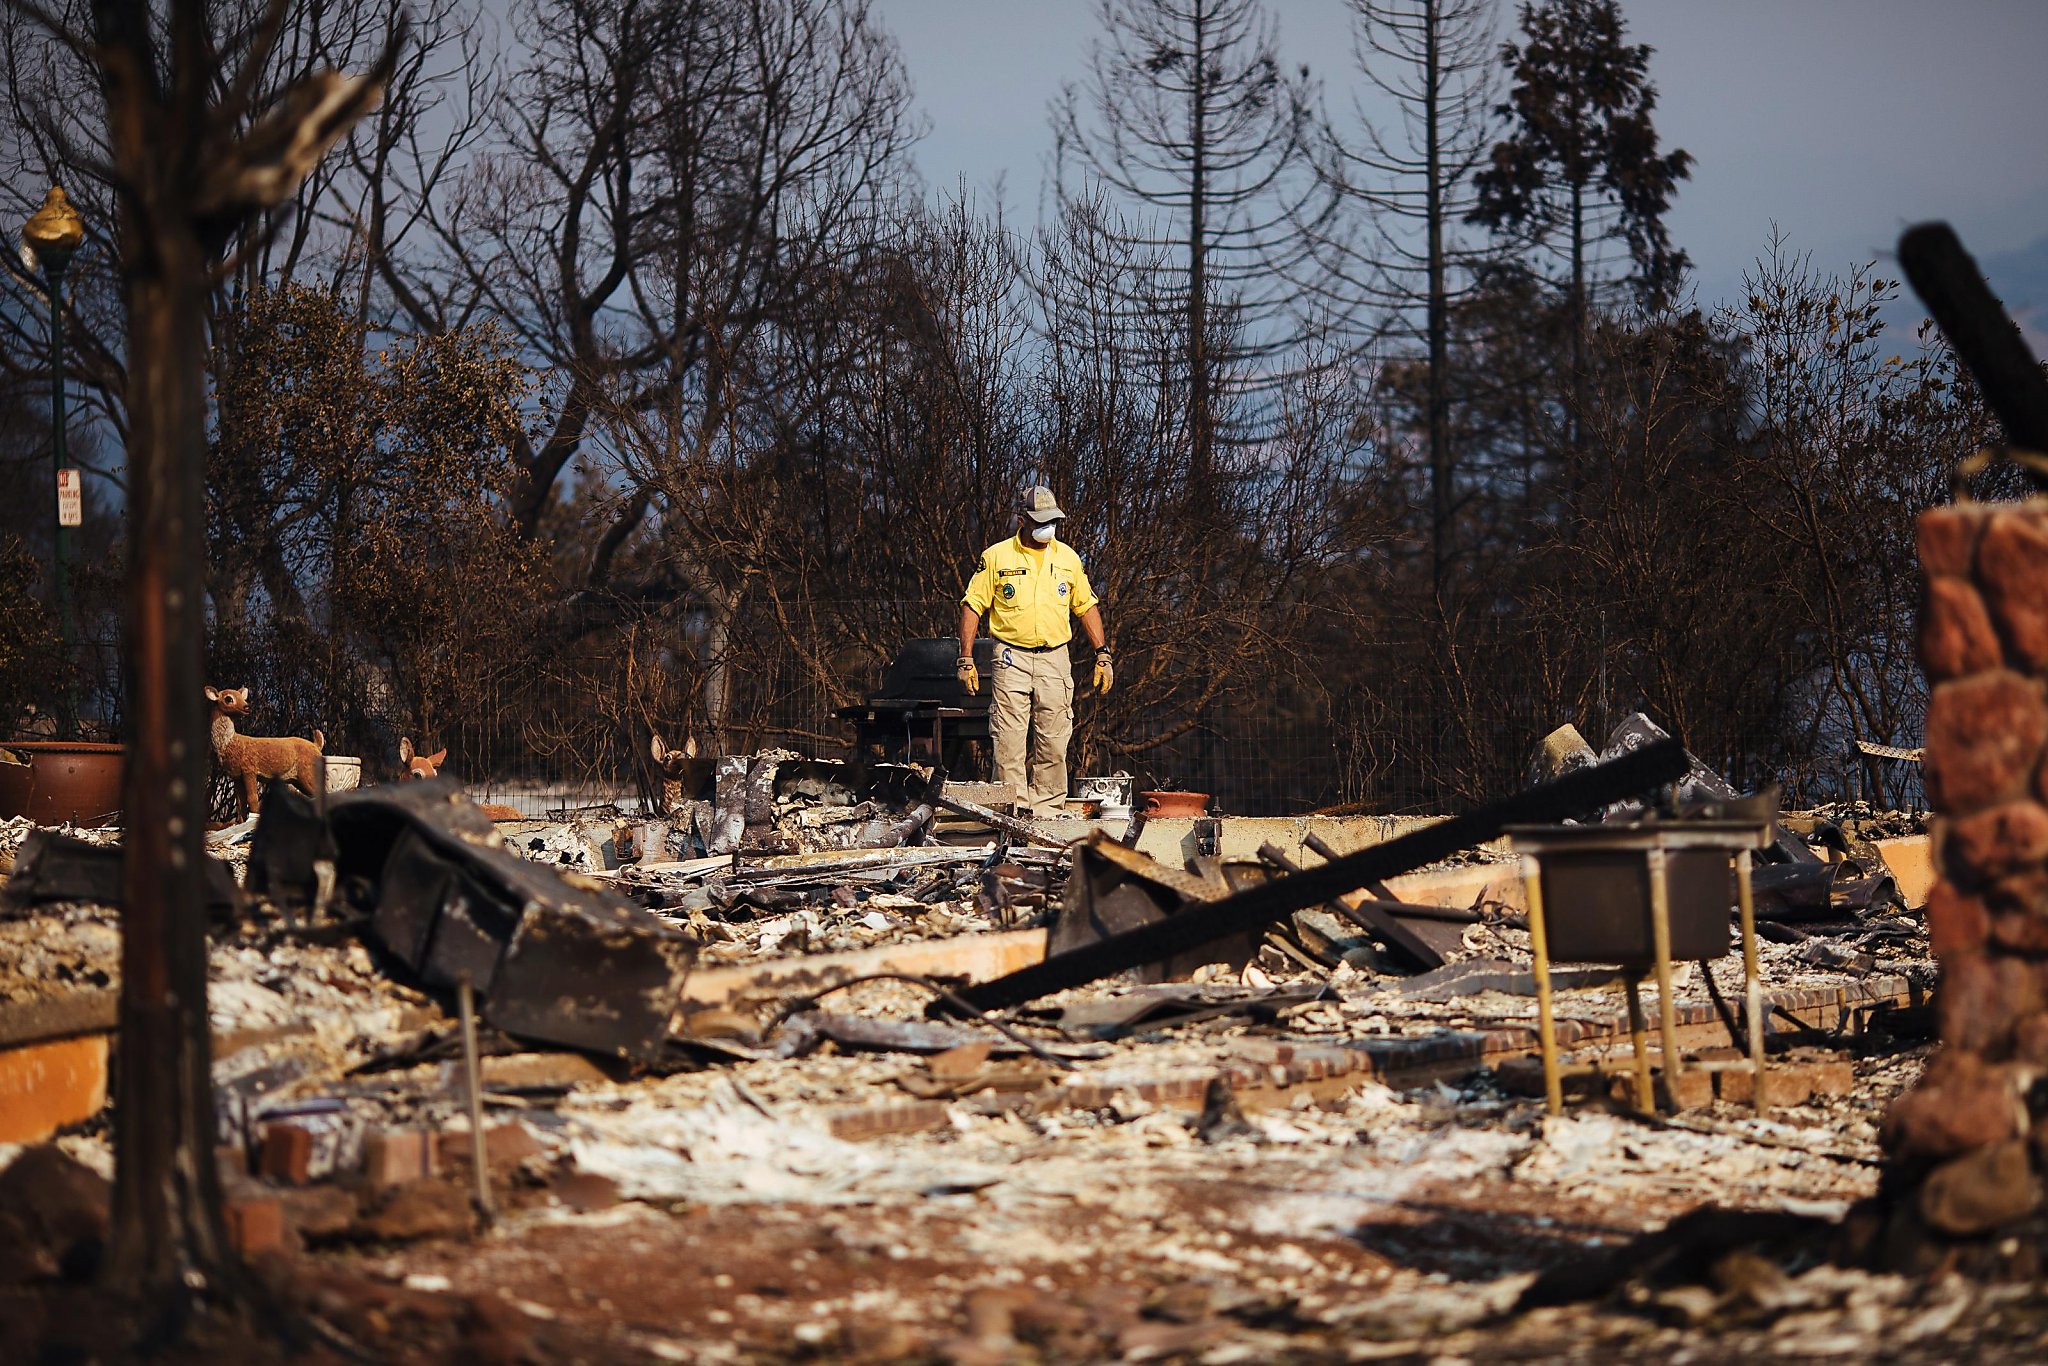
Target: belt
pixel 1032 649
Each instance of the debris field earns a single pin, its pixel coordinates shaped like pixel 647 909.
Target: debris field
pixel 769 1076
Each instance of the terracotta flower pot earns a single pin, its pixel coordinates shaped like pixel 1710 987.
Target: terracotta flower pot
pixel 1168 805
pixel 63 781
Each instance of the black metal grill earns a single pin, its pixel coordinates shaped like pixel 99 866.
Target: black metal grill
pixel 922 715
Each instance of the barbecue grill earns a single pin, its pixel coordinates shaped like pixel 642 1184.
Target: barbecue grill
pixel 922 715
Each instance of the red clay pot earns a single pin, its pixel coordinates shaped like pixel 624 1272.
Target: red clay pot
pixel 64 781
pixel 1168 805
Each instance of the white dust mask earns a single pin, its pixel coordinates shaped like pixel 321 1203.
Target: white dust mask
pixel 1043 534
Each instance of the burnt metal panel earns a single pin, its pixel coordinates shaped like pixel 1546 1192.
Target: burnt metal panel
pixel 560 960
pixel 469 935
pixel 590 975
pixel 1597 905
pixel 291 837
pixel 409 893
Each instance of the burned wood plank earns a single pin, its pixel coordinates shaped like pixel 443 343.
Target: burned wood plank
pixel 1009 825
pixel 970 956
pixel 1325 850
pixel 1642 770
pixel 825 865
pixel 58 1017
pixel 1983 334
pixel 1367 915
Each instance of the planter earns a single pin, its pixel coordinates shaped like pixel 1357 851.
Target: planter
pixel 344 772
pixel 1168 805
pixel 1596 884
pixel 1111 790
pixel 62 782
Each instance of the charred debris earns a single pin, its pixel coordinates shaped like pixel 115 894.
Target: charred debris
pixel 788 986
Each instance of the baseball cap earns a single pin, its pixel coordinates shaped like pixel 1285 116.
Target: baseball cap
pixel 1040 506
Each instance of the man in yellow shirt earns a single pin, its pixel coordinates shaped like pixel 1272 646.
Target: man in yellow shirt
pixel 1032 586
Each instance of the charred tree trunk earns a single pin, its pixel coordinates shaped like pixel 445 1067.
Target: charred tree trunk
pixel 722 607
pixel 1437 325
pixel 188 179
pixel 168 1236
pixel 168 1243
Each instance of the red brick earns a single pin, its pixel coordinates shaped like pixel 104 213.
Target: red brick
pixel 1947 537
pixel 2030 1040
pixel 1984 734
pixel 256 1223
pixel 2024 892
pixel 505 1145
pixel 1695 1089
pixel 392 1157
pixel 2012 568
pixel 1830 1076
pixel 287 1153
pixel 585 1191
pixel 1999 840
pixel 1982 998
pixel 1785 1084
pixel 2020 932
pixel 1956 634
pixel 1961 1103
pixel 1981 1190
pixel 1956 921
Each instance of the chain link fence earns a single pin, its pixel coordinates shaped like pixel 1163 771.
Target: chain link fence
pixel 565 732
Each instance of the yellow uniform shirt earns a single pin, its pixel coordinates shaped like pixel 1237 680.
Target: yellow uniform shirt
pixel 1031 595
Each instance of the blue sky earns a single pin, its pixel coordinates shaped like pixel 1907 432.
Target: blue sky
pixel 1841 121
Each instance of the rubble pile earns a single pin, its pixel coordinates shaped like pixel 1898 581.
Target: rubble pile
pixel 744 1097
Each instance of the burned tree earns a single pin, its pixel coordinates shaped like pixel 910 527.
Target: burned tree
pixel 665 180
pixel 196 141
pixel 1433 61
pixel 1187 116
pixel 1214 585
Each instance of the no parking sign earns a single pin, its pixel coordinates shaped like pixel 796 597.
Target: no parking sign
pixel 70 501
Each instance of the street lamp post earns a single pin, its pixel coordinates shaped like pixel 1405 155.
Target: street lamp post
pixel 52 235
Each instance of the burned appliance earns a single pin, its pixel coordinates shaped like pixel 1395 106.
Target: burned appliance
pixel 921 714
pixel 560 960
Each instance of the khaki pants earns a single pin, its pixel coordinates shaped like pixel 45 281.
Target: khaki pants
pixel 1031 715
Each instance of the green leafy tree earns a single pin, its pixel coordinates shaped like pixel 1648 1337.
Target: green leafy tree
pixel 1579 169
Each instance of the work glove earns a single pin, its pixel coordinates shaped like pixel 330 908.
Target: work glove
pixel 969 676
pixel 1105 673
